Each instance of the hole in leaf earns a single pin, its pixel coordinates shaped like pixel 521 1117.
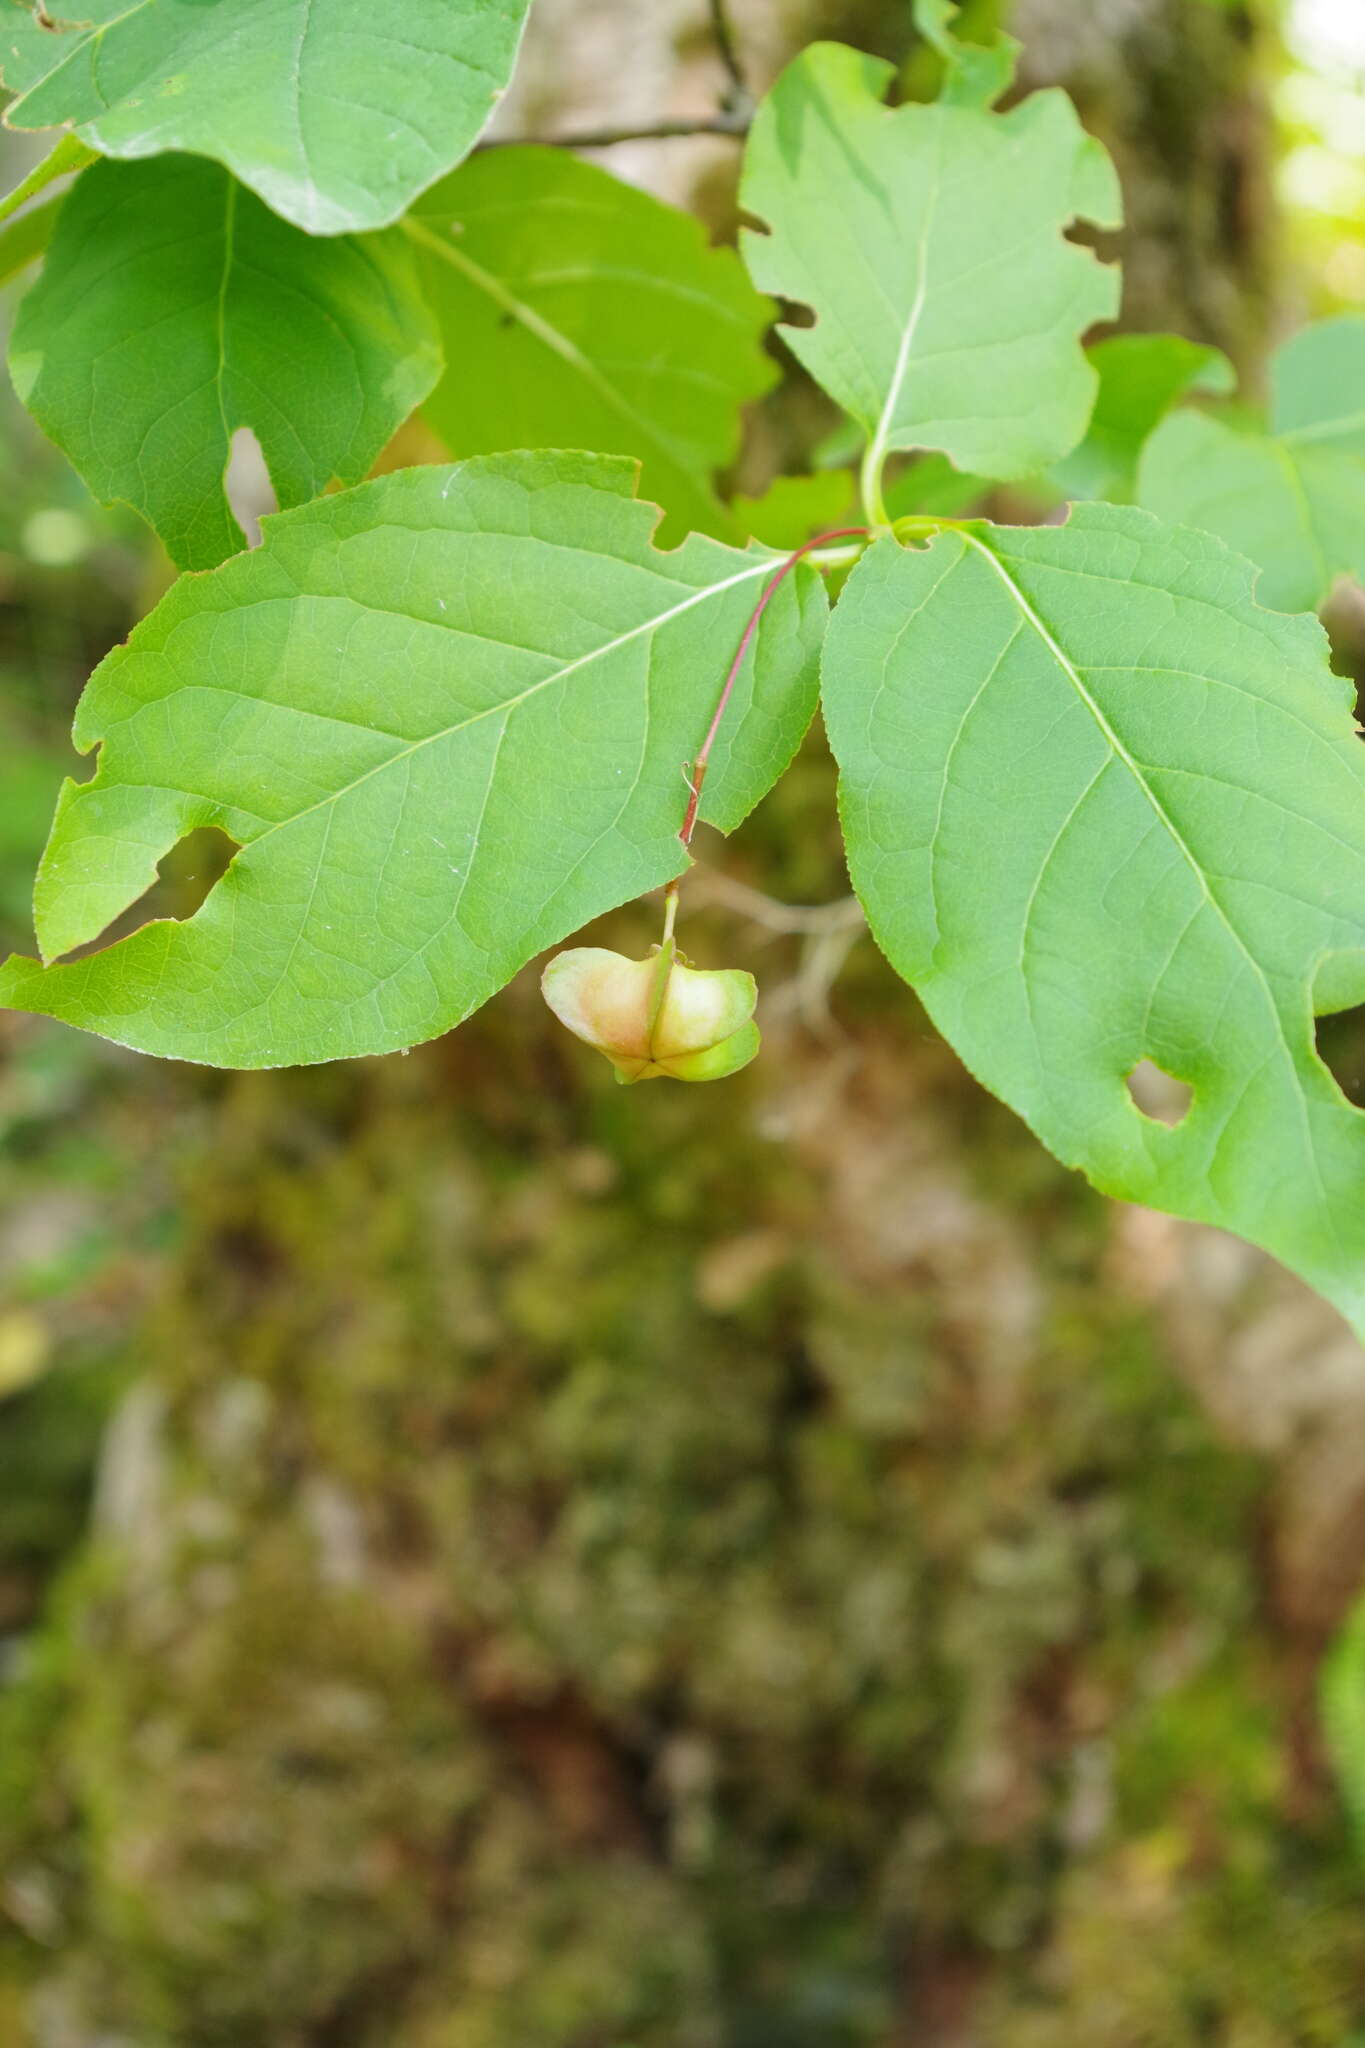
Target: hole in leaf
pixel 247 486
pixel 184 877
pixel 1160 1096
pixel 1341 1048
pixel 1339 1020
pixel 1344 617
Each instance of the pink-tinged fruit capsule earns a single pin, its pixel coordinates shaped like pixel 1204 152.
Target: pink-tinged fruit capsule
pixel 655 1016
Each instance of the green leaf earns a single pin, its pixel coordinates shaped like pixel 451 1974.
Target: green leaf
pixel 62 159
pixel 928 243
pixel 794 509
pixel 1141 378
pixel 445 716
pixel 580 313
pixel 174 308
pixel 931 484
pixel 1102 808
pixel 1317 387
pixel 1299 517
pixel 1292 499
pixel 337 112
pixel 975 74
pixel 23 241
pixel 843 444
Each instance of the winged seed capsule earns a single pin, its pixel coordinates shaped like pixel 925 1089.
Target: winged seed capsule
pixel 655 1016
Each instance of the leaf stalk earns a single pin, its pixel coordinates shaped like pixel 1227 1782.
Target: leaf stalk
pixel 696 772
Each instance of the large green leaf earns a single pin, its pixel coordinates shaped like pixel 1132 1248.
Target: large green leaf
pixel 580 313
pixel 1292 499
pixel 337 112
pixel 446 717
pixel 928 243
pixel 174 308
pixel 1141 377
pixel 1101 807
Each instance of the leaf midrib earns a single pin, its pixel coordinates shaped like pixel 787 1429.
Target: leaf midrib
pixel 881 439
pixel 507 705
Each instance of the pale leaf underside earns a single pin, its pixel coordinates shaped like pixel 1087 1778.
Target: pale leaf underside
pixel 446 718
pixel 928 242
pixel 1102 807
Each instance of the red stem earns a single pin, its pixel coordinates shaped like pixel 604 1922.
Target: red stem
pixel 770 588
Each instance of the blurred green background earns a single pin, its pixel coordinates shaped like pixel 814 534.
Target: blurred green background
pixel 491 1560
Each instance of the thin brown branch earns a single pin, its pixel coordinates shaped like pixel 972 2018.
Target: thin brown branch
pixel 735 125
pixel 728 50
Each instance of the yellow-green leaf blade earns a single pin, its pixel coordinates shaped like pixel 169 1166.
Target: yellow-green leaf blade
pixel 62 159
